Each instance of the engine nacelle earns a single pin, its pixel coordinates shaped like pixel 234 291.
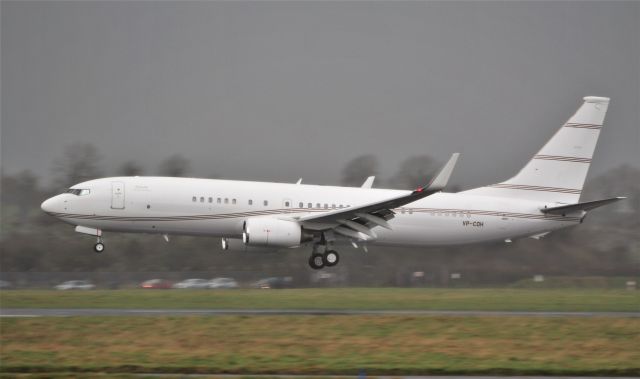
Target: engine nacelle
pixel 271 232
pixel 236 244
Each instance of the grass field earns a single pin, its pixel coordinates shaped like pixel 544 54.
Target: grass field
pixel 391 345
pixel 334 298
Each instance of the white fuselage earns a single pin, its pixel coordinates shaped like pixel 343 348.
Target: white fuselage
pixel 219 207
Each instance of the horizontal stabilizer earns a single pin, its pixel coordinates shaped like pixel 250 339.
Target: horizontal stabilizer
pixel 570 208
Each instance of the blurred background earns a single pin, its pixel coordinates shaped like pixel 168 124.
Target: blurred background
pixel 39 251
pixel 328 91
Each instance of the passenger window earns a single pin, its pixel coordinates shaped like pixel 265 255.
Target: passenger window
pixel 233 201
pixel 226 200
pixel 318 205
pixel 301 205
pixel 250 202
pixel 202 199
pixel 210 200
pixel 286 204
pixel 333 206
pixel 265 203
pixel 310 205
pixel 219 200
pixel 194 199
pixel 326 206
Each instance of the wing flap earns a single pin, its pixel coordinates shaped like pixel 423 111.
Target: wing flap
pixel 351 233
pixel 374 219
pixel 358 227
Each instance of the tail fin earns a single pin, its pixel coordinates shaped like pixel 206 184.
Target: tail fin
pixel 557 173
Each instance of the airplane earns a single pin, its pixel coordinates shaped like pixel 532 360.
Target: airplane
pixel 543 197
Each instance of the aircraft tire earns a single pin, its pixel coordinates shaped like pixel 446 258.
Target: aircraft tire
pixel 330 258
pixel 316 261
pixel 98 248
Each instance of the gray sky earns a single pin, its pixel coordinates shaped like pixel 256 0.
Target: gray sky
pixel 278 90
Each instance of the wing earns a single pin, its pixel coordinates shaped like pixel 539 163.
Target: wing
pixel 357 222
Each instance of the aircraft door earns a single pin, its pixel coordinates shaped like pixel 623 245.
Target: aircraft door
pixel 117 195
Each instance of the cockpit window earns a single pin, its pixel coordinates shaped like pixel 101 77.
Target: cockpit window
pixel 78 191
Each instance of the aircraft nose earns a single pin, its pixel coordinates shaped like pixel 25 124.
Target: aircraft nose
pixel 50 205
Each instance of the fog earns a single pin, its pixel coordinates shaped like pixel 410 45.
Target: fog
pixel 280 90
pixel 328 91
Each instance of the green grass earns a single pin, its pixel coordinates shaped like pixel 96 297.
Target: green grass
pixel 391 345
pixel 335 298
pixel 576 282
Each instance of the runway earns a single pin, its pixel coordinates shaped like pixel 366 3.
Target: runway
pixel 74 312
pixel 381 376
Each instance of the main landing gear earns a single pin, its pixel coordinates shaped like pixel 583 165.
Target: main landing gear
pixel 318 260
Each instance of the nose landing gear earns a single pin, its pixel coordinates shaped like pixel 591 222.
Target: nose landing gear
pixel 99 246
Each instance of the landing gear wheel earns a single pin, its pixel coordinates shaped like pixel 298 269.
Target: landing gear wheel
pixel 316 261
pixel 330 258
pixel 98 247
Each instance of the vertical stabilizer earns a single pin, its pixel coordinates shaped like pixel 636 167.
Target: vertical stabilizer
pixel 558 171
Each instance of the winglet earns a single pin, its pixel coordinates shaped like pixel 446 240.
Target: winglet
pixel 369 182
pixel 440 181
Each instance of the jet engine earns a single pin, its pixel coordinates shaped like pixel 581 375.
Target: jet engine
pixel 272 232
pixel 236 245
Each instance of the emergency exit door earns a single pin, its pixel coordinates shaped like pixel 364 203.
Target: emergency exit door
pixel 117 195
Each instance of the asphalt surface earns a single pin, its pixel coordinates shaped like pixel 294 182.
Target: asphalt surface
pixel 382 377
pixel 46 312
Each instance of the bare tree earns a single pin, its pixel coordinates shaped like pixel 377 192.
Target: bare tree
pixel 79 163
pixel 21 190
pixel 130 168
pixel 175 165
pixel 414 172
pixel 358 169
